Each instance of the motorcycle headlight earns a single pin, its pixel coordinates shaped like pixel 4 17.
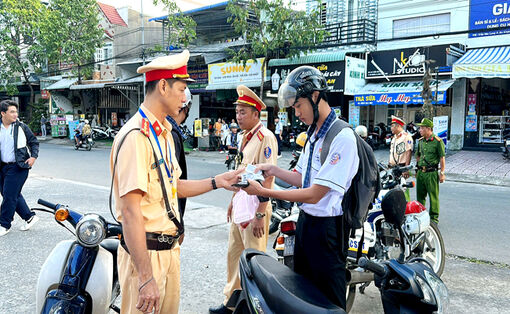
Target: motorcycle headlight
pixel 440 291
pixel 428 294
pixel 90 231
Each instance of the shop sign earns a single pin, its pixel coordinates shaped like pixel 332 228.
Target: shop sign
pixel 235 73
pixel 441 128
pixel 45 94
pixel 200 76
pixel 487 15
pixel 406 62
pixel 471 104
pixel 354 75
pixel 482 70
pixel 332 71
pixel 353 114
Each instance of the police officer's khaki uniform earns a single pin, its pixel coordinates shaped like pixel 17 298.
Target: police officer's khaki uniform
pixel 134 171
pixel 258 146
pixel 400 144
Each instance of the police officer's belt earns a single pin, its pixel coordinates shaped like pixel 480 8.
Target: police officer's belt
pixel 156 241
pixel 426 169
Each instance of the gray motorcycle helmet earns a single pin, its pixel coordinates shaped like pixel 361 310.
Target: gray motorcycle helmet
pixel 301 82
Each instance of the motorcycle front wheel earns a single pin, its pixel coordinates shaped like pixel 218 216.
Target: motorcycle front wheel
pixel 433 249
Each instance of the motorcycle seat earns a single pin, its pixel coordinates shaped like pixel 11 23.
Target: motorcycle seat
pixel 286 291
pixel 282 183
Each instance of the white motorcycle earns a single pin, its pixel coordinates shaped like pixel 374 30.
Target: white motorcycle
pixel 80 275
pixel 417 237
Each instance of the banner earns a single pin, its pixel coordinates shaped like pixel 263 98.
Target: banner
pixel 471 123
pixel 353 114
pixel 354 75
pixel 487 15
pixel 332 71
pixel 235 73
pixel 441 128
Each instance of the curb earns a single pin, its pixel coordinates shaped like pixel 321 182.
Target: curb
pixel 477 179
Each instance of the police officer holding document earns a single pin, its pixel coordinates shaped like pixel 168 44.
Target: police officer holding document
pixel 146 186
pixel 321 240
pixel 258 145
pixel 401 147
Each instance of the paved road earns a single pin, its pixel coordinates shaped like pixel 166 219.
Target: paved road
pixel 83 182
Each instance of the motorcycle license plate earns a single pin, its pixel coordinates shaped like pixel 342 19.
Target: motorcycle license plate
pixel 90 140
pixel 507 142
pixel 288 249
pixel 353 246
pixel 291 140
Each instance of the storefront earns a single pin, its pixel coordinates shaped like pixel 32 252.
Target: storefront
pixel 487 109
pixel 223 79
pixel 395 83
pixel 332 65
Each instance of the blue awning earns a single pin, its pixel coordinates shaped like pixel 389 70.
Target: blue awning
pixel 483 62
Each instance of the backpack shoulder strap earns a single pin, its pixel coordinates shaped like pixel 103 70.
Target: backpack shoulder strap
pixel 337 126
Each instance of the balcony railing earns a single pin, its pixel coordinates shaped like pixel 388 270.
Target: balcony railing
pixel 353 32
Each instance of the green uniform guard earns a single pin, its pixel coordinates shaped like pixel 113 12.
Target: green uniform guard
pixel 430 154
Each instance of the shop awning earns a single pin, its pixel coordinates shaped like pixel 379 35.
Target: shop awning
pixel 400 92
pixel 484 62
pixel 62 84
pixel 87 86
pixel 316 57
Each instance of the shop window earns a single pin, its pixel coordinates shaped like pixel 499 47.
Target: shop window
pixel 422 25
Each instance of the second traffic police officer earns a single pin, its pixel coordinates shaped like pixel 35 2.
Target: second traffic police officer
pixel 258 146
pixel 145 176
pixel 401 147
pixel 429 155
pixel 320 251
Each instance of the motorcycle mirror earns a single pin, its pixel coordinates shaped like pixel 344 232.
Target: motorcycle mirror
pixel 393 206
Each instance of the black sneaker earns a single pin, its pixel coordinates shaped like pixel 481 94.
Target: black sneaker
pixel 222 309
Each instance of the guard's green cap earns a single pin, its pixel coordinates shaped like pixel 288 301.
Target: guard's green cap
pixel 426 122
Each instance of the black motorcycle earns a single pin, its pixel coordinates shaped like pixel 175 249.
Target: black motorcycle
pixel 406 287
pixel 230 160
pixel 506 146
pixel 86 142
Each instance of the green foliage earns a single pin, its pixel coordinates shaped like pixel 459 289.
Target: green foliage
pixel 181 29
pixel 21 51
pixel 272 28
pixel 40 108
pixel 71 34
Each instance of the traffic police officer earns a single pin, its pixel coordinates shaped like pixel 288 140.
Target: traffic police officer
pixel 429 155
pixel 401 148
pixel 320 252
pixel 145 179
pixel 258 145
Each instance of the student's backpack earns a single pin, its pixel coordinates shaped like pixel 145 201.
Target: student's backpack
pixel 365 185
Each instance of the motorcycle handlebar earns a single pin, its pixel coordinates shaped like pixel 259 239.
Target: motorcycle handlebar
pixel 374 267
pixel 48 204
pixel 113 230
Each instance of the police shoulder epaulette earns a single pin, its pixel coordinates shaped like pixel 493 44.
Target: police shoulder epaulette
pixel 437 138
pixel 145 129
pixel 421 138
pixel 260 135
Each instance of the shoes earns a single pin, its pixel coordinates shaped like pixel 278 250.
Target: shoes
pixel 4 231
pixel 222 309
pixel 221 152
pixel 279 156
pixel 29 223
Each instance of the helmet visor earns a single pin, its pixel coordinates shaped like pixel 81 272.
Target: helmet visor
pixel 286 96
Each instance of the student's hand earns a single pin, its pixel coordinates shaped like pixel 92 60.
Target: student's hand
pixel 268 170
pixel 30 161
pixel 226 179
pixel 254 188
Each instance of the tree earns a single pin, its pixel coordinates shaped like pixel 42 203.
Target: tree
pixel 181 28
pixel 71 34
pixel 427 108
pixel 21 52
pixel 272 27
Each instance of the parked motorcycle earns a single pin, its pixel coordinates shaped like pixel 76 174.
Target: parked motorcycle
pixel 86 143
pixel 406 287
pixel 506 147
pixel 102 133
pixel 419 238
pixel 80 275
pixel 230 160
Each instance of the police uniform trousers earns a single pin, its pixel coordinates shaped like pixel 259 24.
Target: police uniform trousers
pixel 320 254
pixel 428 183
pixel 166 271
pixel 240 239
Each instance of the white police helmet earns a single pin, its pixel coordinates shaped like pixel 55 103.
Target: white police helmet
pixel 188 98
pixel 361 130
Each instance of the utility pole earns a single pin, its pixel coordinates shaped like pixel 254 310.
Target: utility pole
pixel 426 94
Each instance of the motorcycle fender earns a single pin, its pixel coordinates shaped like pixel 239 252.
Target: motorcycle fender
pixel 51 272
pixel 99 285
